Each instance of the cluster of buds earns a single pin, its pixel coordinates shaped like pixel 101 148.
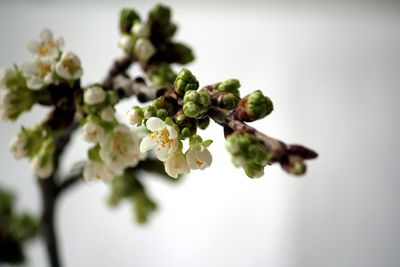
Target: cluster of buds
pixel 226 94
pixel 115 146
pixel 248 152
pixel 151 43
pixel 36 144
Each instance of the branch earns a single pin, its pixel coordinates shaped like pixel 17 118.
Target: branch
pixel 119 66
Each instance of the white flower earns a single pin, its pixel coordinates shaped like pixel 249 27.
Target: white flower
pixel 91 132
pixel 176 165
pixel 69 66
pixel 107 114
pixel 41 167
pixel 5 76
pixel 18 147
pixel 144 49
pixel 126 42
pixel 141 29
pixel 164 138
pixel 133 116
pixel 120 148
pixel 38 73
pixel 198 157
pixel 95 170
pixel 46 47
pixel 94 95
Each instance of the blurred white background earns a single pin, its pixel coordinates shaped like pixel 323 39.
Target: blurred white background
pixel 333 72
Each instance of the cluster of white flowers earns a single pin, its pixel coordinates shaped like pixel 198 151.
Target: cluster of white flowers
pixel 168 148
pixel 49 63
pixel 116 146
pixel 138 41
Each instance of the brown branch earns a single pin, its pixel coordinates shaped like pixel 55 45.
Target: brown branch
pixel 119 66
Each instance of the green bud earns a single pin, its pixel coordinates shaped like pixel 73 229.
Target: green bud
pixel 185 133
pixel 259 105
pixel 230 86
pixel 204 99
pixel 149 111
pixel 191 109
pixel 126 19
pixel 191 95
pixel 254 170
pixel 161 14
pixel 299 168
pixel 185 81
pixel 248 152
pixel 162 114
pixel 229 101
pixel 184 54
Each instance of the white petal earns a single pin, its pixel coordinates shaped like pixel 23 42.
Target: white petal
pixel 163 153
pixel 34 83
pixel 155 124
pixel 173 134
pixel 147 144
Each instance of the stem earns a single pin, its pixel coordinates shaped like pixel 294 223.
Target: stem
pixel 49 196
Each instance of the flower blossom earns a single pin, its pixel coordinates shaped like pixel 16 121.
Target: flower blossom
pixel 92 132
pixel 176 165
pixel 38 73
pixel 95 170
pixel 69 66
pixel 164 138
pixel 120 148
pixel 198 157
pixel 46 47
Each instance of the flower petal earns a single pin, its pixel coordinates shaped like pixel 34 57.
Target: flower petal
pixel 155 124
pixel 147 144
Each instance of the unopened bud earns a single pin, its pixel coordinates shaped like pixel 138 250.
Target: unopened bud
pixel 185 81
pixel 144 50
pixel 126 19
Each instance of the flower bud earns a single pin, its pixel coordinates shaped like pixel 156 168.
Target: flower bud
pixel 191 109
pixel 126 19
pixel 248 152
pixel 203 123
pixel 141 30
pixel 144 50
pixel 135 115
pixel 185 81
pixel 253 107
pixel 94 95
pixel 160 14
pixel 231 86
pixel 183 54
pixel 18 146
pixel 126 42
pixel 107 114
pixel 42 162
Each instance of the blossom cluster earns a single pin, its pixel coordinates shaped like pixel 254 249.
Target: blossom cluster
pixel 116 147
pixel 23 86
pixel 150 42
